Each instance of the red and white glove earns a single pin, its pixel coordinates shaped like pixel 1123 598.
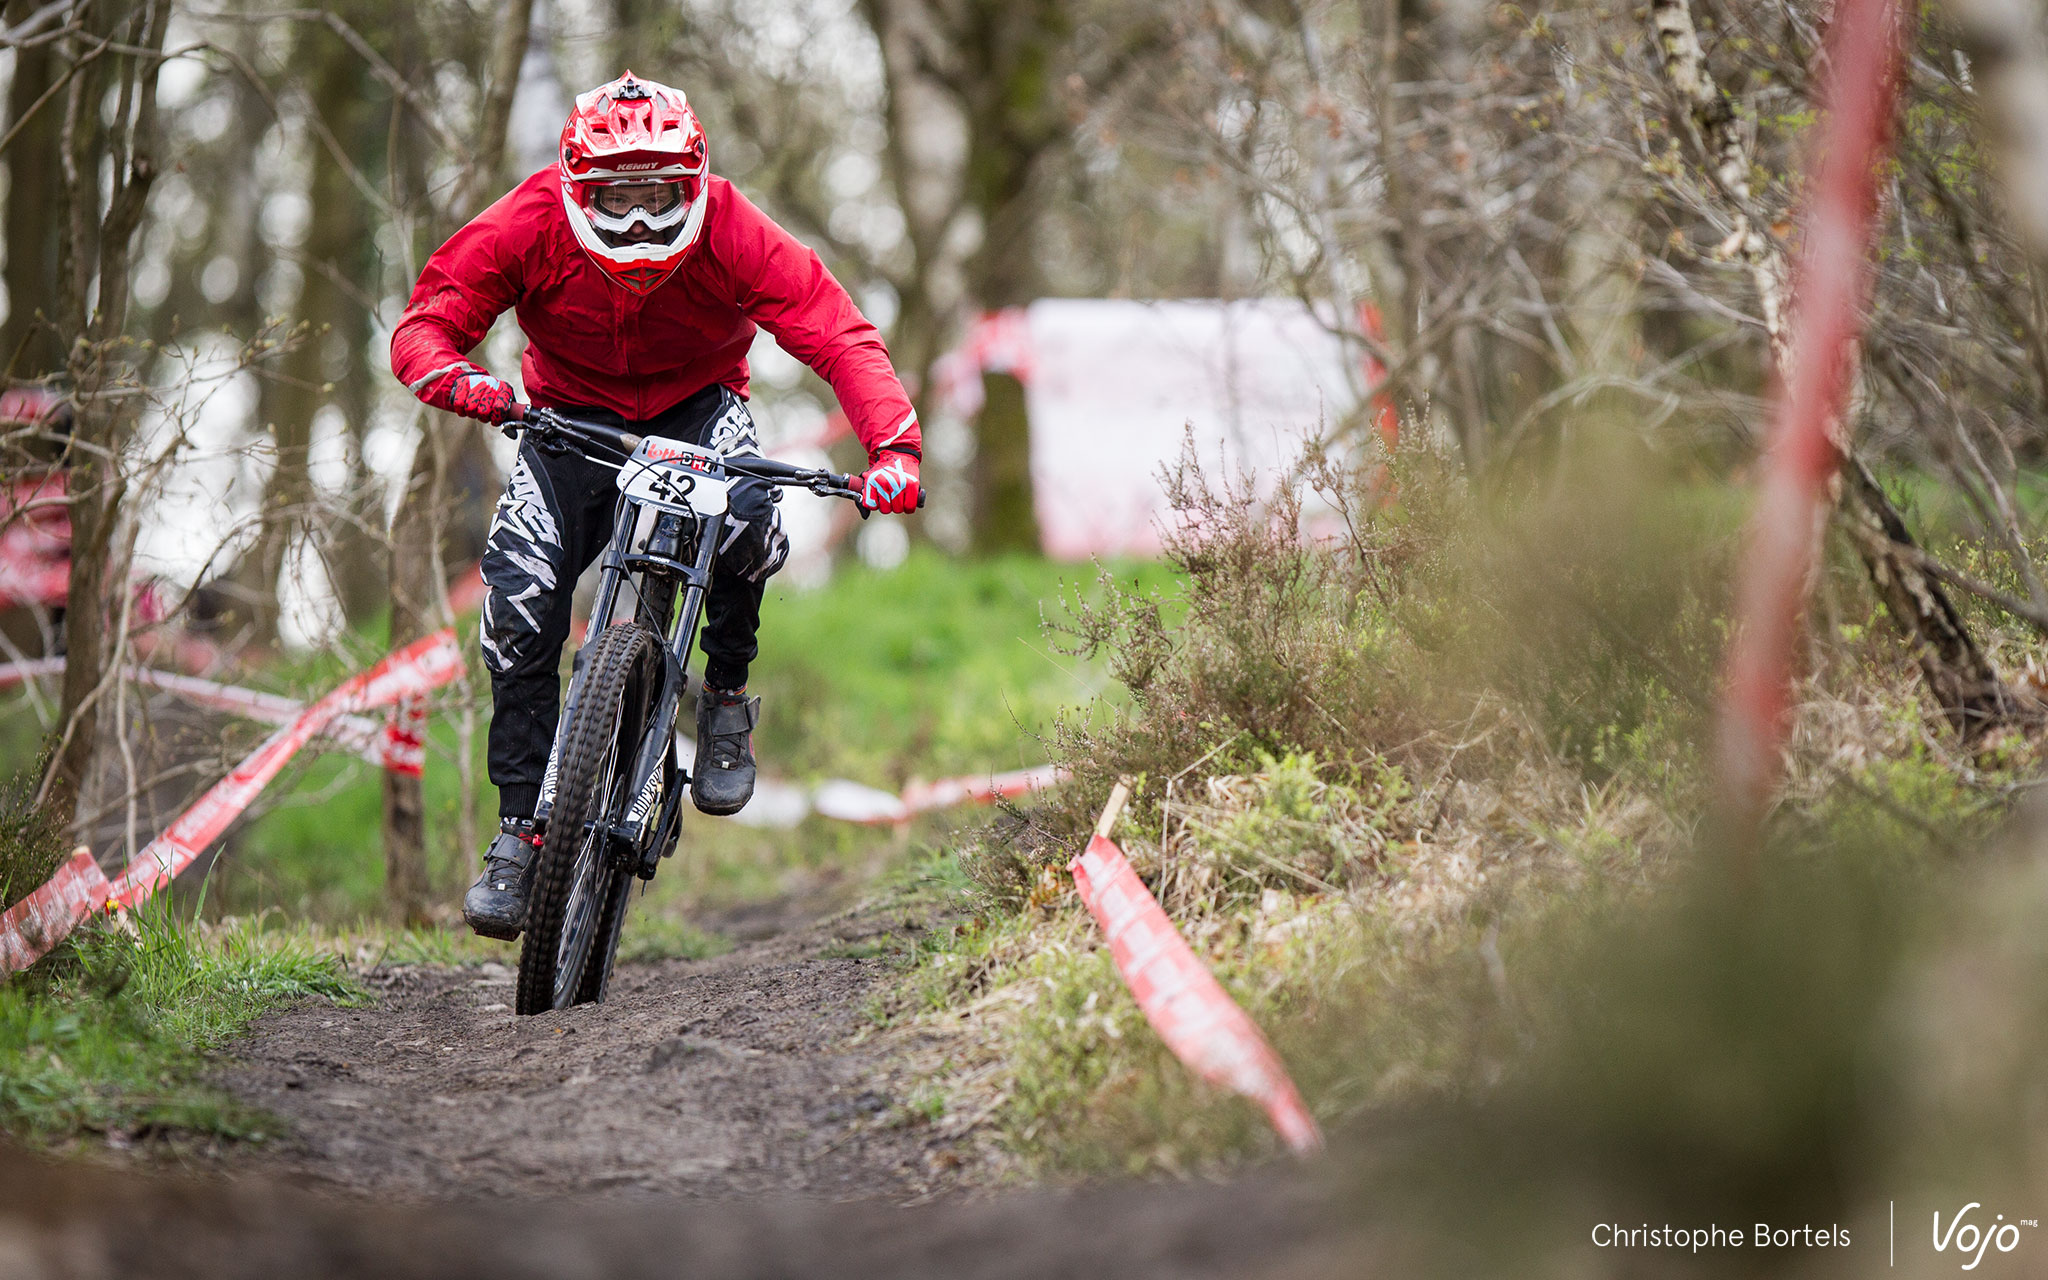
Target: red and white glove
pixel 471 392
pixel 889 484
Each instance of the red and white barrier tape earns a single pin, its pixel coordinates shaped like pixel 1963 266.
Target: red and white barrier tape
pixel 363 736
pixel 46 917
pixel 400 682
pixel 1865 50
pixel 1180 997
pixel 402 678
pixel 411 672
pixel 784 804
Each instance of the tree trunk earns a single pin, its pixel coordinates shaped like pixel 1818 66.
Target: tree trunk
pixel 1014 120
pixel 418 582
pixel 30 346
pixel 2009 61
pixel 335 237
pixel 1964 683
pixel 418 592
pixel 356 554
pixel 1003 517
pixel 1401 269
pixel 92 321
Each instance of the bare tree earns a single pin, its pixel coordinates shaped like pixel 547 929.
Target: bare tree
pixel 113 53
pixel 419 576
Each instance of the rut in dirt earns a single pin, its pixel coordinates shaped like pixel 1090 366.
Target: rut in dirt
pixel 736 1075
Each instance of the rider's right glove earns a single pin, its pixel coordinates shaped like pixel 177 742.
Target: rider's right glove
pixel 889 484
pixel 469 391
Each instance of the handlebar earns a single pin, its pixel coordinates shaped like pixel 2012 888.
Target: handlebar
pixel 552 429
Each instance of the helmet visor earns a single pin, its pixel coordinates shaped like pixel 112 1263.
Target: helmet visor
pixel 655 199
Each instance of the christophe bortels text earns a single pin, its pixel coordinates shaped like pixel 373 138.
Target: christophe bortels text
pixel 1612 1235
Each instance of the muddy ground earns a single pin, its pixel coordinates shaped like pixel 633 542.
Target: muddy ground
pixel 715 1118
pixel 743 1074
pixel 75 1221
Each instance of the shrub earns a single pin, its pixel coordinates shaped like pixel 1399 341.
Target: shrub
pixel 31 838
pixel 1281 639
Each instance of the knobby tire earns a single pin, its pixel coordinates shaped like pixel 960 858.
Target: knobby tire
pixel 592 781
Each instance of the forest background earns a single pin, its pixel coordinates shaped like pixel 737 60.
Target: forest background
pixel 1565 233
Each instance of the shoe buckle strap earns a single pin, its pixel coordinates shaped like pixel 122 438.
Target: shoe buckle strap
pixel 731 718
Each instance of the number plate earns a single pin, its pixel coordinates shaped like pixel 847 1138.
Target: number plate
pixel 673 474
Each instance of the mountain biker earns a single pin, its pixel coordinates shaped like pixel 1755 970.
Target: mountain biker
pixel 638 278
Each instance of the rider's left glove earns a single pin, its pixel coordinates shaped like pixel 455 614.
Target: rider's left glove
pixel 889 484
pixel 473 393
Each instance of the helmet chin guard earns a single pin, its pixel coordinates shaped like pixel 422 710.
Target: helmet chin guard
pixel 634 133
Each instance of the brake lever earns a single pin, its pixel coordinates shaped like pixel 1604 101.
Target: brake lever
pixel 835 491
pixel 539 427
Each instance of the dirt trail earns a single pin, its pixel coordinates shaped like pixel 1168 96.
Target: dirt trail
pixel 72 1221
pixel 720 1077
pixel 463 1141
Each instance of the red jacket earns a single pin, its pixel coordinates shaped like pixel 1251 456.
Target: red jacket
pixel 593 342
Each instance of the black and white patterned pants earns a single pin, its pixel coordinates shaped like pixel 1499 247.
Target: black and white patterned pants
pixel 554 519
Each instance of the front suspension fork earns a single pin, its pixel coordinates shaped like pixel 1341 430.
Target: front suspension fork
pixel 649 808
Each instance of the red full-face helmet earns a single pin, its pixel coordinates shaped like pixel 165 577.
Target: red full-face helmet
pixel 633 168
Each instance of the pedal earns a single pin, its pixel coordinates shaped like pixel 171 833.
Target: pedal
pixel 661 845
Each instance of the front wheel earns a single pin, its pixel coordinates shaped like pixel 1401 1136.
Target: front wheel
pixel 604 949
pixel 572 920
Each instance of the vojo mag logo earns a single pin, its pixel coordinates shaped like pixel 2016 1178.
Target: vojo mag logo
pixel 1968 1237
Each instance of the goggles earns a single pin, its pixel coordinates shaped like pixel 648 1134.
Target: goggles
pixel 619 206
pixel 619 199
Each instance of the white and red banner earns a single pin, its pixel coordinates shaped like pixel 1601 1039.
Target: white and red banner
pixel 1114 386
pixel 1180 997
pixel 784 804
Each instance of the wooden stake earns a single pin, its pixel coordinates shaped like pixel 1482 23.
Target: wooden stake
pixel 1120 794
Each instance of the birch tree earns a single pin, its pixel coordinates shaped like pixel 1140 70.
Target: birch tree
pixel 1958 674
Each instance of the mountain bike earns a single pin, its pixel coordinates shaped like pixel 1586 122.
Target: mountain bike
pixel 611 799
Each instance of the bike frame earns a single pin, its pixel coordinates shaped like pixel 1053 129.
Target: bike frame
pixel 669 592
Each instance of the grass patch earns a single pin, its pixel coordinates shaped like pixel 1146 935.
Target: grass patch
pixel 448 948
pixel 110 1034
pixel 935 667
